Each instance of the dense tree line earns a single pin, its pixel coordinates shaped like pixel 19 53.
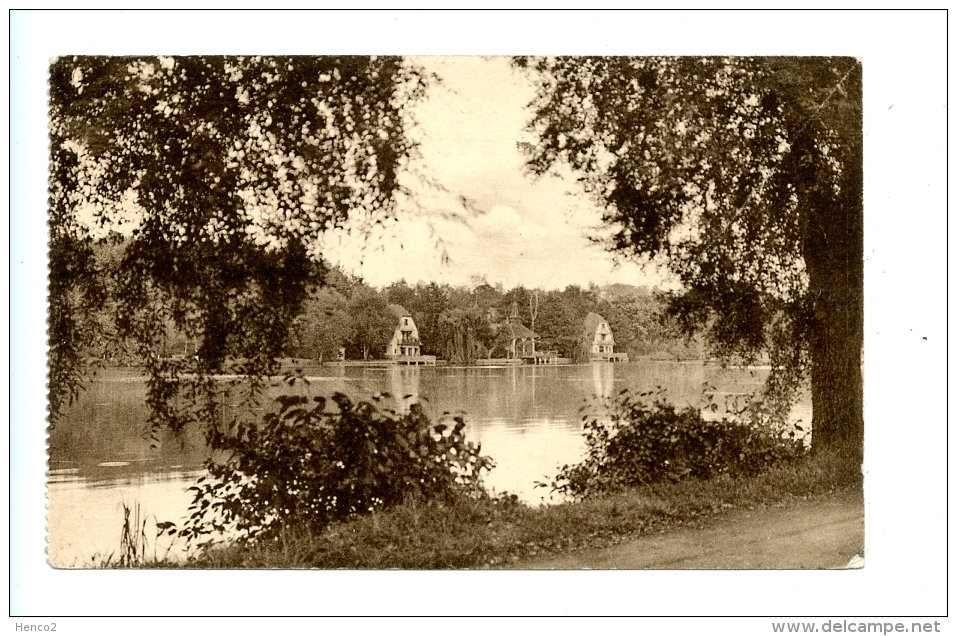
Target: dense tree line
pixel 455 323
pixel 462 324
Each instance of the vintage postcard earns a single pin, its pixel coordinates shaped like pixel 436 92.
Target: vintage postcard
pixel 456 312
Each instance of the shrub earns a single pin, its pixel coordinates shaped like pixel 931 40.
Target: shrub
pixel 308 465
pixel 645 440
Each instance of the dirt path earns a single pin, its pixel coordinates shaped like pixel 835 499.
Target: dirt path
pixel 817 534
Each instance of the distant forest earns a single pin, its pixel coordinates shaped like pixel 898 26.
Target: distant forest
pixel 455 323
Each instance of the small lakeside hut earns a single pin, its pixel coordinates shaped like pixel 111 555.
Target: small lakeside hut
pixel 405 339
pixel 598 341
pixel 521 338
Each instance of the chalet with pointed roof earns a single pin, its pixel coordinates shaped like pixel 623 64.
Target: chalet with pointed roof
pixel 405 340
pixel 598 341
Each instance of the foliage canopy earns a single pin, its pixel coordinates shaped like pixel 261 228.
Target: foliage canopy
pixel 221 172
pixel 744 176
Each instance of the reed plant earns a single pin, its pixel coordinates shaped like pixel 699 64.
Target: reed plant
pixel 137 548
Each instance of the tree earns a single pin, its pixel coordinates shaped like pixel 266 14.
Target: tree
pixel 373 323
pixel 745 177
pixel 560 322
pixel 517 301
pixel 222 172
pixel 324 326
pixel 431 301
pixel 466 331
pixel 399 293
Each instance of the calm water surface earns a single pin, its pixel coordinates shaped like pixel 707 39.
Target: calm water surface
pixel 526 417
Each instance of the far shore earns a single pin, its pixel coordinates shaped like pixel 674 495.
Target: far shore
pixel 293 364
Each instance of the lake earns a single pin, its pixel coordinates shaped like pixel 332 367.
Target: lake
pixel 526 417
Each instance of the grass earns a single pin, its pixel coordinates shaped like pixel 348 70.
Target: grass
pixel 137 548
pixel 487 533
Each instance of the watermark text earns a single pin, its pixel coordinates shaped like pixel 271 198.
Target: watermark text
pixel 856 627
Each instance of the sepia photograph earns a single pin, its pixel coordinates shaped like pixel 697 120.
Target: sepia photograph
pixel 456 312
pixel 401 312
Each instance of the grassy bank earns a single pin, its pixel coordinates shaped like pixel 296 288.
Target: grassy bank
pixel 492 534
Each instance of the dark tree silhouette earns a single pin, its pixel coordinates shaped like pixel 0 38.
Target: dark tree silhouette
pixel 222 172
pixel 745 177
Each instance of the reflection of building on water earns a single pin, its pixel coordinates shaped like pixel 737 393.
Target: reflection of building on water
pixel 404 381
pixel 604 376
pixel 523 394
pixel 526 417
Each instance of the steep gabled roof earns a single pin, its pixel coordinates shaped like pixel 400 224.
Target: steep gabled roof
pixel 592 320
pixel 399 311
pixel 518 330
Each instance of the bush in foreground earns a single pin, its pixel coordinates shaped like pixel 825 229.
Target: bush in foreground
pixel 485 532
pixel 319 461
pixel 643 439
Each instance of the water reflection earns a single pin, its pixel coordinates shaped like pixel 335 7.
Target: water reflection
pixel 526 417
pixel 404 381
pixel 604 376
pixel 84 518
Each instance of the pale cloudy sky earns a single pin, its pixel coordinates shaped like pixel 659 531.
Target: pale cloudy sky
pixel 516 229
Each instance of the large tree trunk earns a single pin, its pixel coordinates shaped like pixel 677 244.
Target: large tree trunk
pixel 837 392
pixel 834 256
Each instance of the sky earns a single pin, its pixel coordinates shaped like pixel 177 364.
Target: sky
pixel 517 229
